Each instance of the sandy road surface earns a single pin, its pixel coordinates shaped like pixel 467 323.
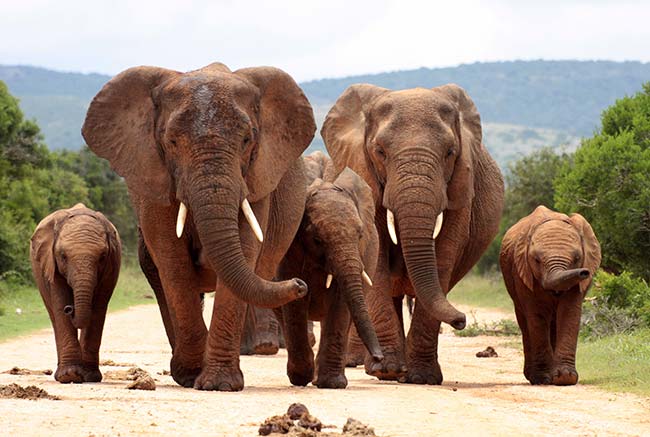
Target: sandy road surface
pixel 480 396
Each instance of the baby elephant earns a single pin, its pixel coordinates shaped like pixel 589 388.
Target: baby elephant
pixel 548 260
pixel 335 252
pixel 75 257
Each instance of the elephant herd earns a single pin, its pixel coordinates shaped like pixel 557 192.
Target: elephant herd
pixel 407 204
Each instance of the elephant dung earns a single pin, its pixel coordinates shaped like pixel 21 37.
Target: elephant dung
pixel 276 424
pixel 489 352
pixel 30 392
pixel 354 427
pixel 296 410
pixel 19 371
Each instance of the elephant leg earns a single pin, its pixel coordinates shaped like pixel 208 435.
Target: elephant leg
pixel 330 361
pixel 221 369
pixel 526 340
pixel 300 362
pixel 540 364
pixel 397 303
pixel 567 327
pixel 151 273
pixel 356 351
pixel 68 351
pixel 246 346
pixel 91 339
pixel 310 333
pixel 267 332
pixel 180 287
pixel 422 349
pixel 386 323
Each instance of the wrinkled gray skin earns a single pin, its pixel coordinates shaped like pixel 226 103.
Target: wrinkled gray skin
pixel 548 260
pixel 75 255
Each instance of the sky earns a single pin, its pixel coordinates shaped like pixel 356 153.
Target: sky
pixel 312 39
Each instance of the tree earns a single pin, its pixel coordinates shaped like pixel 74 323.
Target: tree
pixel 609 184
pixel 529 183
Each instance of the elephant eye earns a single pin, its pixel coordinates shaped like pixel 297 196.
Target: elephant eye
pixel 450 151
pixel 318 241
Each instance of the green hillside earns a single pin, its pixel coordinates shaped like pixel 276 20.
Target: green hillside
pixel 523 104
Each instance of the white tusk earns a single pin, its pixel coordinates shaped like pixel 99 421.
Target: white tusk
pixel 180 221
pixel 366 278
pixel 436 229
pixel 390 221
pixel 250 217
pixel 328 281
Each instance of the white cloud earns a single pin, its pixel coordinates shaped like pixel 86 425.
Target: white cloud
pixel 313 39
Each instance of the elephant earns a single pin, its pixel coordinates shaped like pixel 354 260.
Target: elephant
pixel 438 200
pixel 335 252
pixel 548 260
pixel 211 159
pixel 75 255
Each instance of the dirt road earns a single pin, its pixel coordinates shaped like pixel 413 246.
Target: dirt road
pixel 479 396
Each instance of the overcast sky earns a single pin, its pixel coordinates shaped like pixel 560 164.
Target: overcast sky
pixel 316 39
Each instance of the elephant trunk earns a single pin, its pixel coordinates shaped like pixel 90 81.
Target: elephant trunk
pixel 83 286
pixel 561 280
pixel 215 200
pixel 349 268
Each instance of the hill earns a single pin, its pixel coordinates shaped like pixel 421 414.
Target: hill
pixel 523 104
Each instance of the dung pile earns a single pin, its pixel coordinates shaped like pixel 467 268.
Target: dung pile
pixel 30 392
pixel 297 422
pixel 141 378
pixel 489 352
pixel 20 371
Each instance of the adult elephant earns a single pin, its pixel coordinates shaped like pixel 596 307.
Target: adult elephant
pixel 437 192
pixel 212 162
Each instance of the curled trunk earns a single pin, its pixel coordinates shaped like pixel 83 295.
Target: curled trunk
pixel 215 206
pixel 83 287
pixel 416 237
pixel 562 280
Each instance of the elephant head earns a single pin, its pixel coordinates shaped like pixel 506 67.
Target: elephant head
pixel 77 246
pixel 557 251
pixel 339 230
pixel 415 148
pixel 211 141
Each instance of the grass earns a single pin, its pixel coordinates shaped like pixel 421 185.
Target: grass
pixel 617 363
pixel 132 289
pixel 503 327
pixel 482 291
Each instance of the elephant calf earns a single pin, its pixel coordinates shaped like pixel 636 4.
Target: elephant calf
pixel 75 256
pixel 547 261
pixel 335 252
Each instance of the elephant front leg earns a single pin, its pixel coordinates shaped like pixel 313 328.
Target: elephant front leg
pixel 90 340
pixel 567 327
pixel 330 361
pixel 221 363
pixel 300 362
pixel 266 340
pixel 539 362
pixel 422 349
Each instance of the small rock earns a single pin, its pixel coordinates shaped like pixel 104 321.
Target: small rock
pixel 296 410
pixel 489 352
pixel 19 311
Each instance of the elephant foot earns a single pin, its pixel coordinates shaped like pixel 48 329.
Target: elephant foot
pixel 540 378
pixel 220 379
pixel 391 368
pixel 91 373
pixel 301 373
pixel 565 376
pixel 267 343
pixel 67 373
pixel 354 359
pixel 418 374
pixel 184 374
pixel 330 380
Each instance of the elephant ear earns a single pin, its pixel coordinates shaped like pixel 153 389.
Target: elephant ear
pixel 286 127
pixel 119 127
pixel 42 244
pixel 521 234
pixel 590 247
pixel 344 131
pixel 315 166
pixel 114 243
pixel 360 192
pixel 467 126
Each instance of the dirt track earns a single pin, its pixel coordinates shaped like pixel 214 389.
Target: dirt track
pixel 487 396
